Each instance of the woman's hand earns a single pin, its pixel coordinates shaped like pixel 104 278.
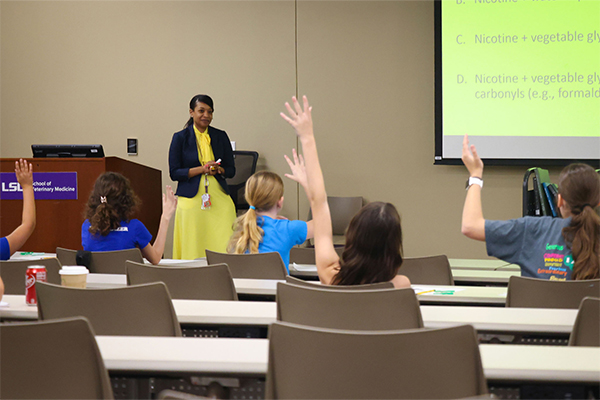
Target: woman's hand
pixel 471 159
pixel 212 168
pixel 169 203
pixel 298 169
pixel 154 252
pixel 24 172
pixel 299 119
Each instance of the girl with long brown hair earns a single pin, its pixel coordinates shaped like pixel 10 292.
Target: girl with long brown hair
pixel 545 247
pixel 373 249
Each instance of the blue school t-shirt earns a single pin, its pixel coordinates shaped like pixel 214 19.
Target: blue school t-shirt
pixel 127 236
pixel 4 249
pixel 281 235
pixel 534 243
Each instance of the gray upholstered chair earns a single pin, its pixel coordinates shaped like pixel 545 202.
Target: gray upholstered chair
pixel 432 270
pixel 101 262
pixel 370 286
pixel 541 293
pixel 348 309
pixel 13 273
pixel 316 363
pixel 212 282
pixel 143 310
pixel 250 266
pixel 306 255
pixel 56 359
pixel 586 330
pixel 342 210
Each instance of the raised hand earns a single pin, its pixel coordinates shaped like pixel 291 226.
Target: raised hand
pixel 169 203
pixel 24 172
pixel 471 159
pixel 298 168
pixel 300 119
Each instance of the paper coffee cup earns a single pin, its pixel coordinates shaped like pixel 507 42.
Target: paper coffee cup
pixel 73 276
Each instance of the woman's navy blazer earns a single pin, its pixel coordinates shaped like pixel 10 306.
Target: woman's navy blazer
pixel 183 155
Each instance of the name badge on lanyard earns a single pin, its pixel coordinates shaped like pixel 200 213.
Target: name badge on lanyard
pixel 206 197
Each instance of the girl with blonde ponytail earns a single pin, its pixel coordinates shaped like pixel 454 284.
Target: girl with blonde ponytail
pixel 109 224
pixel 544 247
pixel 261 229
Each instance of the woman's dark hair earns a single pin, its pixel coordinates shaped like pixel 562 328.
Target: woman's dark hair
pixel 373 251
pixel 579 186
pixel 199 98
pixel 112 200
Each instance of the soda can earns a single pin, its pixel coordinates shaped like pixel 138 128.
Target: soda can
pixel 34 273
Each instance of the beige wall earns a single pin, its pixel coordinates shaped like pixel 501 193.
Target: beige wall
pixel 99 72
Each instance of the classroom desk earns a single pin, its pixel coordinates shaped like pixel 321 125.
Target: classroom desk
pixel 493 324
pixel 462 276
pixel 483 277
pixel 471 264
pixel 212 358
pixel 238 356
pixel 455 295
pixel 464 271
pixel 251 319
pixel 259 288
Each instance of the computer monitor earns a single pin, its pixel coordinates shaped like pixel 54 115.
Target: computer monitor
pixel 67 150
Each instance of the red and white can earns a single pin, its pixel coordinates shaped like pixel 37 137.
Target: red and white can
pixel 34 273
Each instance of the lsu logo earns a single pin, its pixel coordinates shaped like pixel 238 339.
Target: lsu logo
pixel 11 187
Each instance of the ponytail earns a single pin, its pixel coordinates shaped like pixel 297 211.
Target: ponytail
pixel 583 237
pixel 188 123
pixel 247 234
pixel 104 219
pixel 112 200
pixel 579 186
pixel 263 191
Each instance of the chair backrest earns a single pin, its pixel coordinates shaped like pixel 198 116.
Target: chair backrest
pixel 102 262
pixel 211 282
pixel 306 255
pixel 342 210
pixel 541 293
pixel 314 363
pixel 143 310
pixel 370 286
pixel 348 309
pixel 433 270
pixel 13 273
pixel 250 266
pixel 245 166
pixel 586 330
pixel 56 359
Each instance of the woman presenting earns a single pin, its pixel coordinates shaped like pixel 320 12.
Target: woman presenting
pixel 200 158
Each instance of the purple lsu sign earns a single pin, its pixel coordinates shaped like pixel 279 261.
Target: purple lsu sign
pixel 46 186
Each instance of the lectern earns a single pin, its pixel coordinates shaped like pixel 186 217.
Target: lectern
pixel 59 220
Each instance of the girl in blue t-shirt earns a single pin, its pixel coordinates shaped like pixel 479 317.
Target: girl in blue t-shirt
pixel 261 229
pixel 109 226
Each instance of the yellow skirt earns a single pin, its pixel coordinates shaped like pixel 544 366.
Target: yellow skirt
pixel 196 229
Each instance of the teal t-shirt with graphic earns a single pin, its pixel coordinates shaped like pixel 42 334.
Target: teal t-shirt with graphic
pixel 534 243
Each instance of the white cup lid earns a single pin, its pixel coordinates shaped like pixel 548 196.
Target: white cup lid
pixel 73 270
